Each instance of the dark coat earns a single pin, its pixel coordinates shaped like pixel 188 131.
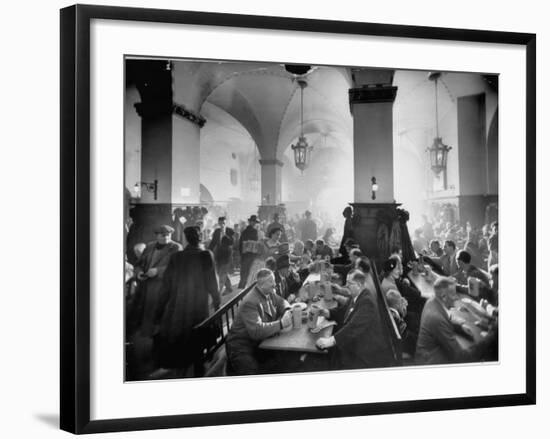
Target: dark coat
pixel 248 234
pixel 216 240
pixel 360 339
pixel 148 290
pixel 188 281
pixel 437 341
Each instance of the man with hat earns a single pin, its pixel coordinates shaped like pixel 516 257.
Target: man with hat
pixel 216 240
pixel 247 249
pixel 149 271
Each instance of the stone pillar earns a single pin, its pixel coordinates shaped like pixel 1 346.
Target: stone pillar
pixel 378 224
pixel 186 125
pixel 372 109
pixel 155 110
pixel 170 149
pixel 271 177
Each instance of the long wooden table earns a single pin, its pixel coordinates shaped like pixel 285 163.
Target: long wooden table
pixel 301 339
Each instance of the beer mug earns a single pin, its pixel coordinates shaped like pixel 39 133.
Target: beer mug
pixel 310 291
pixel 473 286
pixel 328 291
pixel 296 317
pixel 313 316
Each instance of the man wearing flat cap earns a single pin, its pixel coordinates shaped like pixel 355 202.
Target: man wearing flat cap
pixel 247 249
pixel 149 272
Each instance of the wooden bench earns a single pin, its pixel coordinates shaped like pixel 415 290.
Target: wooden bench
pixel 211 334
pixel 391 330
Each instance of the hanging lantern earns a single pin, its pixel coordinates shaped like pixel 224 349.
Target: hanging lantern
pixel 438 155
pixel 438 150
pixel 301 148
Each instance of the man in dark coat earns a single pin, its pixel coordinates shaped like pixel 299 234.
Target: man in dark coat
pixel 437 343
pixel 217 236
pixel 360 342
pixel 149 272
pixel 250 233
pixel 188 281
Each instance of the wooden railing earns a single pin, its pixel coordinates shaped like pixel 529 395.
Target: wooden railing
pixel 392 331
pixel 211 333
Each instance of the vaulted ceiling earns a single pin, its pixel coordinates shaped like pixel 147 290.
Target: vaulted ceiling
pixel 265 100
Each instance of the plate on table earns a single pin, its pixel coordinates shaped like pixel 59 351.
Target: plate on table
pixel 322 324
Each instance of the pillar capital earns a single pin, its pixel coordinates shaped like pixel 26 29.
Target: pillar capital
pixel 265 162
pixel 154 108
pixel 187 114
pixel 372 94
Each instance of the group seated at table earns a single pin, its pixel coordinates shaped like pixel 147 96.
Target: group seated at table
pixel 427 329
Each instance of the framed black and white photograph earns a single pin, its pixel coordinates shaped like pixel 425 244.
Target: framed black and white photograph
pixel 317 209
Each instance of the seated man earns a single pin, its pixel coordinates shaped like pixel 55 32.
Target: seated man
pixel 466 270
pixel 407 326
pixel 322 250
pixel 437 341
pixel 359 342
pixel 435 249
pixel 343 270
pixel 261 314
pixel 448 259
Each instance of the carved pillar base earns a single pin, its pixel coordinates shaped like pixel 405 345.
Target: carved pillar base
pixel 266 212
pixel 378 227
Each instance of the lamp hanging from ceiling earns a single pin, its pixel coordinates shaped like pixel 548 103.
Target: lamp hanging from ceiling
pixel 438 150
pixel 301 149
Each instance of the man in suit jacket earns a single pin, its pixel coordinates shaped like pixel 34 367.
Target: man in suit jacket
pixel 261 314
pixel 149 271
pixel 189 279
pixel 360 341
pixel 437 341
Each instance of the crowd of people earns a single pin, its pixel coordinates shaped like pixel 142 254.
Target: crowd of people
pixel 174 284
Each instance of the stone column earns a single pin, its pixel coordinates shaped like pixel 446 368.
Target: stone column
pixel 186 125
pixel 170 149
pixel 378 224
pixel 155 110
pixel 271 188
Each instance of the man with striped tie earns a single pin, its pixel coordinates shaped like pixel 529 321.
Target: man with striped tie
pixel 262 314
pixel 359 342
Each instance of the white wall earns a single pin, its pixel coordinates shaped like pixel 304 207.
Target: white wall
pixel 29 323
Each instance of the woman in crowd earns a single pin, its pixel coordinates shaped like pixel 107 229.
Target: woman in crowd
pixel 297 252
pixel 392 280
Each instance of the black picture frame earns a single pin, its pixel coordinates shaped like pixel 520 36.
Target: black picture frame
pixel 75 217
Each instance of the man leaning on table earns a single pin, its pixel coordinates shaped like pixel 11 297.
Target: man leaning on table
pixel 437 342
pixel 261 314
pixel 359 342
